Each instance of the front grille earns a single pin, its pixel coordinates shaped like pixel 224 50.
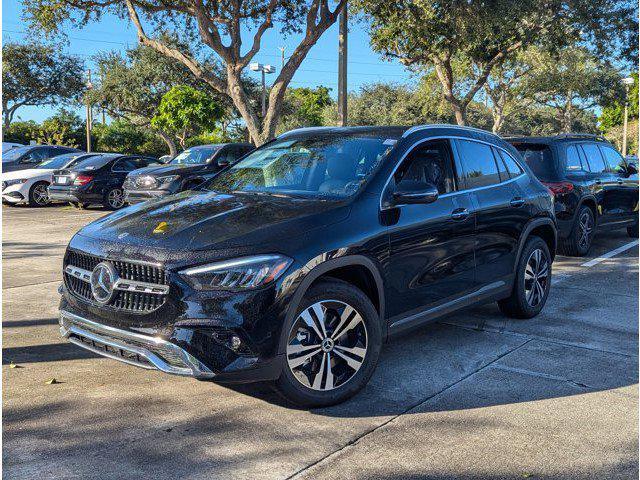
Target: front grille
pixel 131 301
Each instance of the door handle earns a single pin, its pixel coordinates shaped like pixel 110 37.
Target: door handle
pixel 598 182
pixel 517 202
pixel 620 182
pixel 460 214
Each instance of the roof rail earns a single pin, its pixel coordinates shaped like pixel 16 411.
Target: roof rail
pixel 444 125
pixel 594 136
pixel 305 129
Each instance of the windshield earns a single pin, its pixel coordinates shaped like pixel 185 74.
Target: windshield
pixel 195 156
pixel 331 166
pixel 67 160
pixel 14 153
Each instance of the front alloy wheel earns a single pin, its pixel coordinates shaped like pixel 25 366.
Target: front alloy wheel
pixel 585 230
pixel 39 196
pixel 327 345
pixel 330 347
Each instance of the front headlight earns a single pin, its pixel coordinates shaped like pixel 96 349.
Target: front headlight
pixel 240 273
pixel 165 181
pixel 8 183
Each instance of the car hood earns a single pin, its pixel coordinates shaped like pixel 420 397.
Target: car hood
pixel 28 173
pixel 209 220
pixel 162 170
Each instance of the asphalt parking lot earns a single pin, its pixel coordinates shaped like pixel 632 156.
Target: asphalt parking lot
pixel 474 396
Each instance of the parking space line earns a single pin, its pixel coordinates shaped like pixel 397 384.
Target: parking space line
pixel 610 254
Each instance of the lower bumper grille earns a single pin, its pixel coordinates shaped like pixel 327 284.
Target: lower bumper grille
pixel 132 348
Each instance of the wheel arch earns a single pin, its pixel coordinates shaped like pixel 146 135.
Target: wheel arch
pixel 591 202
pixel 544 228
pixel 358 270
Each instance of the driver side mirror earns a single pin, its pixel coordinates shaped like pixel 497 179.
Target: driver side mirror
pixel 632 169
pixel 408 193
pixel 223 162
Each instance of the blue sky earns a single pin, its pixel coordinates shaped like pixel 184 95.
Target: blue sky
pixel 319 68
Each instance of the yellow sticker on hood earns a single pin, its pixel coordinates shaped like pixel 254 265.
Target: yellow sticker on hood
pixel 161 228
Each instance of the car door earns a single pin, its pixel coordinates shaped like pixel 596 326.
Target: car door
pixel 501 211
pixel 120 169
pixel 603 184
pixel 431 245
pixel 625 194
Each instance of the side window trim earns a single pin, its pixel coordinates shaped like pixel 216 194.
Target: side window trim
pixel 459 188
pixel 500 161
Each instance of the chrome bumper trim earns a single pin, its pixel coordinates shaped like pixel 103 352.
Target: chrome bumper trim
pixel 132 348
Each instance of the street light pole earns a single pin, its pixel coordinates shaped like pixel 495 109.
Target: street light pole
pixel 89 113
pixel 264 69
pixel 627 83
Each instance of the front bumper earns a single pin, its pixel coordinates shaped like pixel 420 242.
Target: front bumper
pixel 137 196
pixel 16 193
pixel 132 348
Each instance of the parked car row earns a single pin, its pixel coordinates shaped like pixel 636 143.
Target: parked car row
pixel 84 179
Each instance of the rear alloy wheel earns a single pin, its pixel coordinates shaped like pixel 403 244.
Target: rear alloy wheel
pixel 38 195
pixel 532 283
pixel 332 346
pixel 578 243
pixel 114 199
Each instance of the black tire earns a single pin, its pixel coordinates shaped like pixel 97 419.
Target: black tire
pixel 348 380
pixel 578 243
pixel 632 231
pixel 520 304
pixel 38 196
pixel 109 200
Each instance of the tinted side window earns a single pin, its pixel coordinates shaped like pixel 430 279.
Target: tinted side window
pixel 574 162
pixel 596 162
pixel 614 159
pixel 512 166
pixel 428 163
pixel 478 163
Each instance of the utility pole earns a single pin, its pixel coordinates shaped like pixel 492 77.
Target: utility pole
pixel 342 69
pixel 627 83
pixel 264 69
pixel 104 121
pixel 89 113
pixel 282 49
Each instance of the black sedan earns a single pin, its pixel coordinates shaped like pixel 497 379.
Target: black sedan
pixel 22 158
pixel 97 180
pixel 184 172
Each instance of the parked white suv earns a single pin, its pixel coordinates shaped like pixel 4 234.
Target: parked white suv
pixel 30 186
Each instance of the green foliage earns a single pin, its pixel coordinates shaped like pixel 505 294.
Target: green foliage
pixel 185 111
pixel 63 128
pixel 34 74
pixel 303 107
pixel 124 137
pixel 206 138
pixel 21 132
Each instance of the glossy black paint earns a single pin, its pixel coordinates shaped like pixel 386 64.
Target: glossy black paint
pixel 189 176
pixel 612 194
pixel 105 178
pixel 33 155
pixel 415 262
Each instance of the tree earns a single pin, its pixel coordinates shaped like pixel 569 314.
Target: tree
pixel 217 26
pixel 571 80
pixel 34 74
pixel 437 34
pixel 63 128
pixel 123 136
pixel 131 86
pixel 303 107
pixel 185 111
pixel 613 113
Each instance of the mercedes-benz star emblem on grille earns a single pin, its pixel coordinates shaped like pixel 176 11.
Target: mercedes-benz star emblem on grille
pixel 103 279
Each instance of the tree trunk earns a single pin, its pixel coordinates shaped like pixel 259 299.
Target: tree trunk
pixel 173 151
pixel 242 103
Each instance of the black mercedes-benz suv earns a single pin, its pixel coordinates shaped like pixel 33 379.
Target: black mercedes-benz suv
pixel 187 170
pixel 593 185
pixel 298 262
